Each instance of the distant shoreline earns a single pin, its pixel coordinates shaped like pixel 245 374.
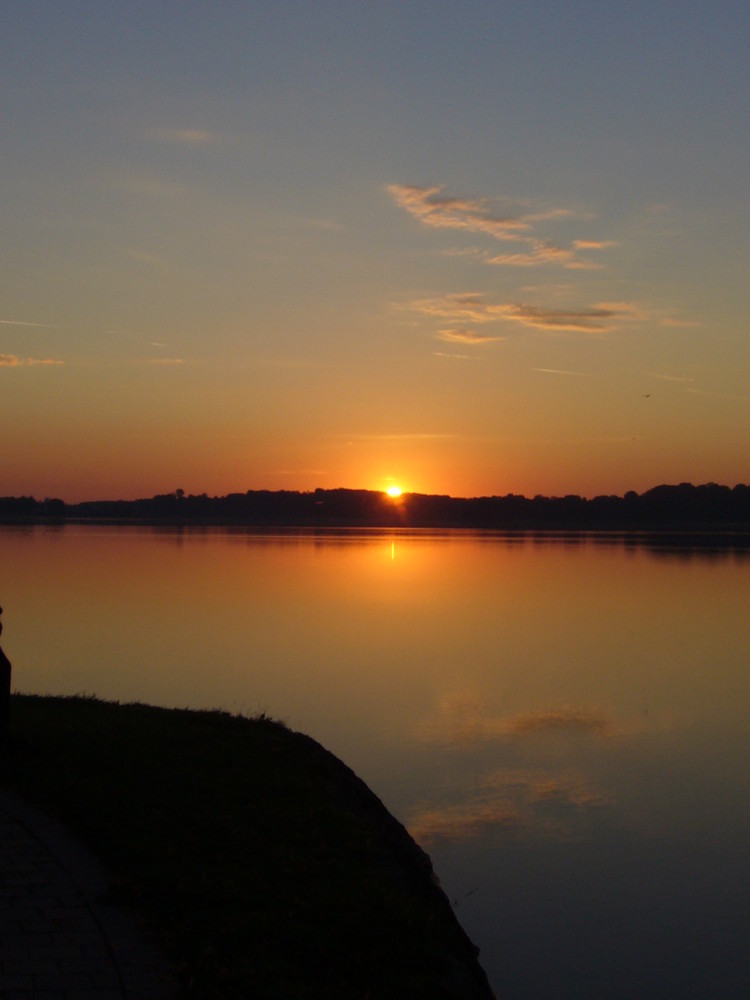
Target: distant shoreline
pixel 707 509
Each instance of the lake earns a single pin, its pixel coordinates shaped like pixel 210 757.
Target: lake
pixel 562 723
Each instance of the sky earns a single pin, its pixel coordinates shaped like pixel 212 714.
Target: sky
pixel 467 248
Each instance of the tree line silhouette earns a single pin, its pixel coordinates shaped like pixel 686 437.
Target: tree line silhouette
pixel 682 507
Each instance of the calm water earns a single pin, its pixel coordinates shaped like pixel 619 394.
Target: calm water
pixel 562 725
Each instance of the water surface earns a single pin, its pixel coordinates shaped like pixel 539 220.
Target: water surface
pixel 562 723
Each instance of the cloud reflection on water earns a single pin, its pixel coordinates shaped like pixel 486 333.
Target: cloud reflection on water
pixel 461 719
pixel 550 798
pixel 557 805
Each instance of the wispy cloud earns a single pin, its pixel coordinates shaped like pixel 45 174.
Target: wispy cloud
pixel 20 322
pixel 13 361
pixel 520 226
pixel 466 336
pixel 540 253
pixel 594 244
pixel 430 206
pixel 459 306
pixel 473 307
pixel 562 371
pixel 670 378
pixel 544 252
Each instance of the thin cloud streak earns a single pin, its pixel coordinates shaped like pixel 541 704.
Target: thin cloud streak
pixel 543 253
pixel 13 361
pixel 562 371
pixel 464 336
pixel 20 322
pixel 471 306
pixel 670 378
pixel 594 244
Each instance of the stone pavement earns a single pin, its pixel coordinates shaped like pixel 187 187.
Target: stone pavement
pixel 59 938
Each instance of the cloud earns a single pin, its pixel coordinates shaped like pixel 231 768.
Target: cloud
pixel 594 244
pixel 595 319
pixel 166 361
pixel 461 305
pixel 432 208
pixel 13 361
pixel 671 378
pixel 466 336
pixel 472 306
pixel 544 252
pixel 541 253
pixel 20 322
pixel 562 371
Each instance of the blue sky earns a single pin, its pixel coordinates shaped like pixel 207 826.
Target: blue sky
pixel 468 248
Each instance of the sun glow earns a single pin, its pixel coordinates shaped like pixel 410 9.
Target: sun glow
pixel 394 492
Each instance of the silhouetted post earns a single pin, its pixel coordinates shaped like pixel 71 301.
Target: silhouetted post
pixel 4 690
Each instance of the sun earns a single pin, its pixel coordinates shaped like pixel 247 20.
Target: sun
pixel 394 492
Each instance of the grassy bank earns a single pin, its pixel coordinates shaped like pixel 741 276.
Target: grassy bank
pixel 266 868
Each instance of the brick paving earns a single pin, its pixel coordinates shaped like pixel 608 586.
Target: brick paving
pixel 59 938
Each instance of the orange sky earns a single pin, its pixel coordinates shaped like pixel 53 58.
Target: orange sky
pixel 263 249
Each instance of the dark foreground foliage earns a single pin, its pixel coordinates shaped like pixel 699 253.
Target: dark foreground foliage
pixel 266 867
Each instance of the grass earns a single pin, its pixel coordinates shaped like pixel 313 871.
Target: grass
pixel 264 865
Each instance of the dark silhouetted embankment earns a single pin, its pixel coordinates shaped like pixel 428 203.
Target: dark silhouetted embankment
pixel 262 865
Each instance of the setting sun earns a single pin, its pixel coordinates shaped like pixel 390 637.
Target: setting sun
pixel 394 491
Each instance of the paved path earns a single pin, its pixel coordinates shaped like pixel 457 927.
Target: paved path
pixel 58 939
